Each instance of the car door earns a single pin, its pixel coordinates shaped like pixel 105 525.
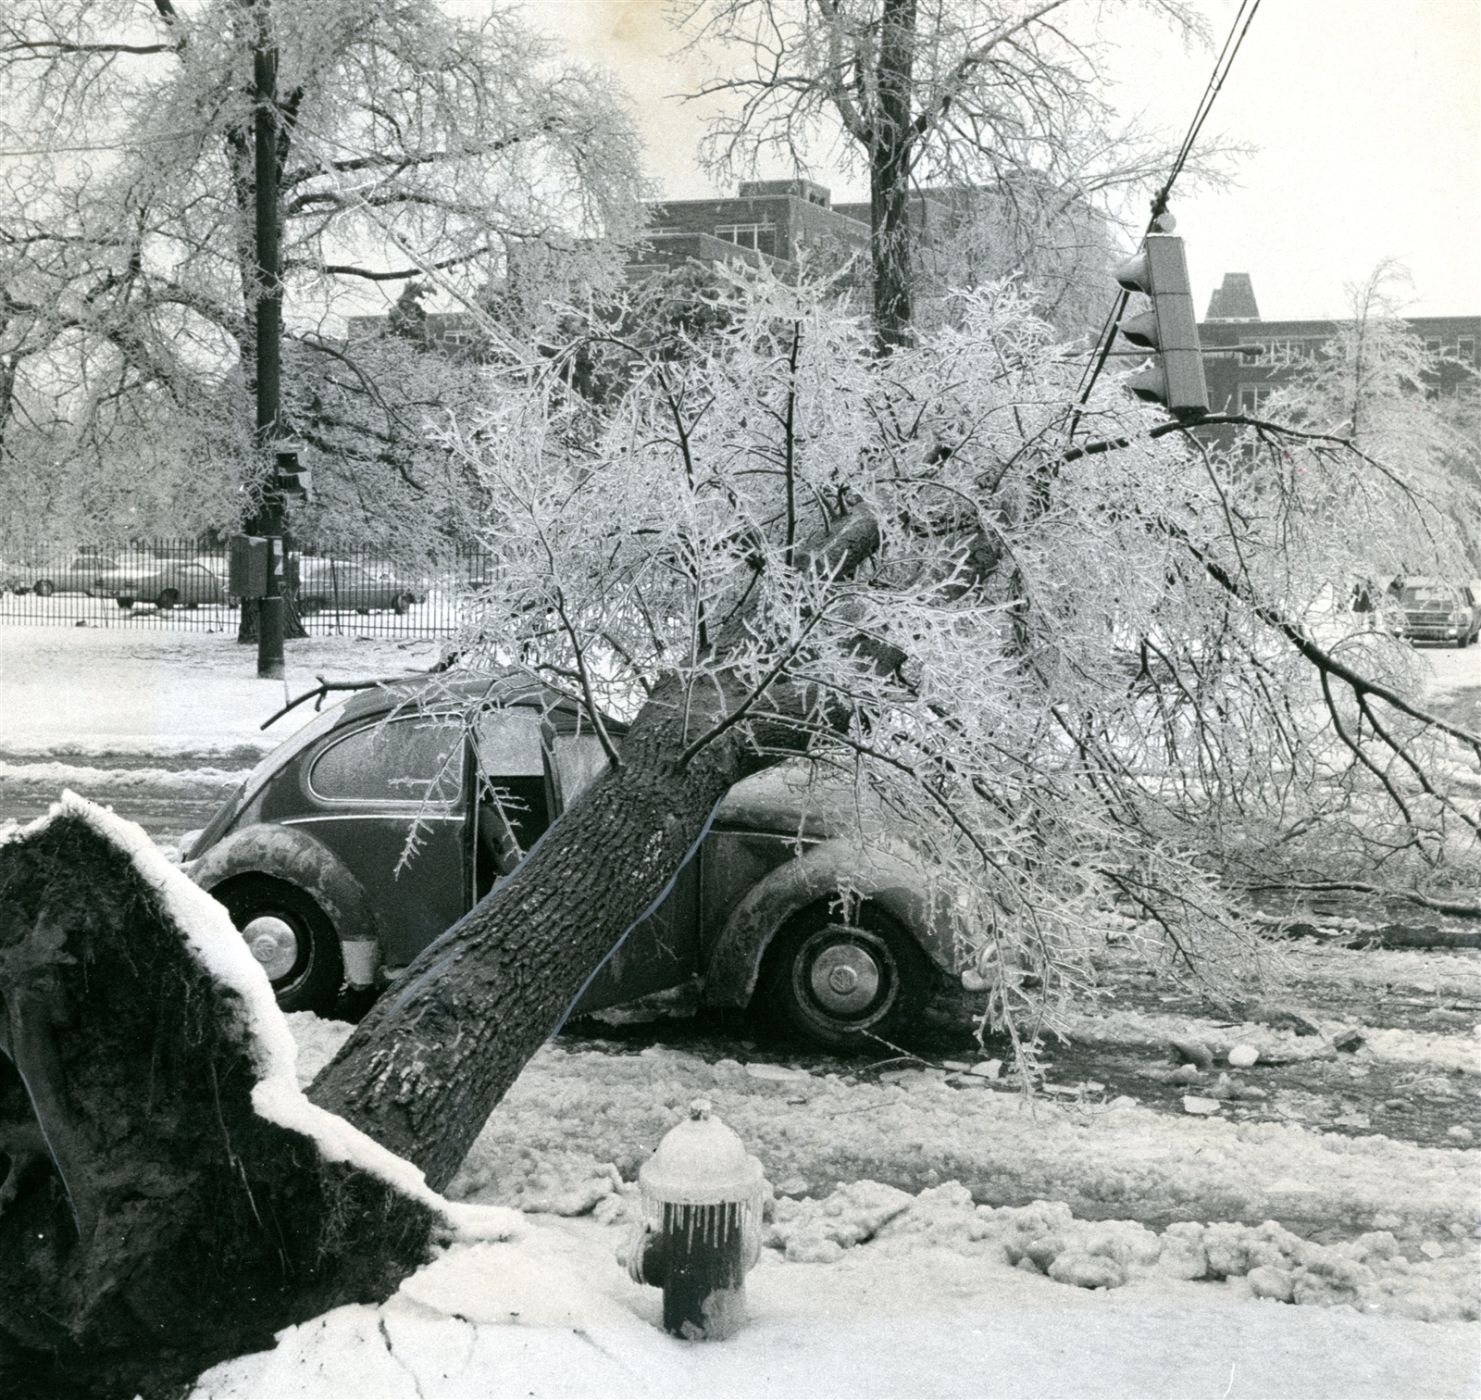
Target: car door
pixel 388 799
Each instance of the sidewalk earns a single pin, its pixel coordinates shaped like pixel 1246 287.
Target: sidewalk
pixel 94 690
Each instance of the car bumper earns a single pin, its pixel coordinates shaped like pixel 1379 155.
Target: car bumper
pixel 1432 634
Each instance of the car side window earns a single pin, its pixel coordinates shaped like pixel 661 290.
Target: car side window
pixel 409 760
pixel 513 807
pixel 579 761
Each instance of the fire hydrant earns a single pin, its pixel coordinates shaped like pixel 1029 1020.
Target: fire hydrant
pixel 701 1228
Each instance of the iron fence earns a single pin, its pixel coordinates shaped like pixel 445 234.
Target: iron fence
pixel 182 584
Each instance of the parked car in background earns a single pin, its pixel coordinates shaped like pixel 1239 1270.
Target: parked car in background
pixel 90 572
pixel 305 857
pixel 1435 611
pixel 172 585
pixel 332 584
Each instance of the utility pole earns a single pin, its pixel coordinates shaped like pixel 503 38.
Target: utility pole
pixel 268 318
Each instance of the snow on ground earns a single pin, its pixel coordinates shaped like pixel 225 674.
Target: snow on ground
pixel 571 1134
pixel 1433 972
pixel 865 1289
pixel 1386 1045
pixel 868 1290
pixel 551 1314
pixel 95 690
pixel 1452 670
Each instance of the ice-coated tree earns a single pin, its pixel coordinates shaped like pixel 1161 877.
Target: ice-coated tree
pixel 998 106
pixel 1376 385
pixel 198 194
pixel 1107 677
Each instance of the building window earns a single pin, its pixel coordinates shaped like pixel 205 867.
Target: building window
pixel 1252 398
pixel 1432 345
pixel 1465 349
pixel 760 237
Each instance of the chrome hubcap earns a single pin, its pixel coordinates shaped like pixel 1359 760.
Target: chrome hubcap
pixel 274 943
pixel 845 978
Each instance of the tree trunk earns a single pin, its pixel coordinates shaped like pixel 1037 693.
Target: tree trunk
pixel 890 155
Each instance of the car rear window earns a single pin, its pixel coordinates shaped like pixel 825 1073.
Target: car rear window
pixel 414 759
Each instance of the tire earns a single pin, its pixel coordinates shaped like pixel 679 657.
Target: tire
pixel 292 939
pixel 167 599
pixel 403 602
pixel 125 601
pixel 843 984
pixel 44 588
pixel 310 605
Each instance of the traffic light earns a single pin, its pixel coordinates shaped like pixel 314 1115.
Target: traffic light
pixel 1170 330
pixel 290 479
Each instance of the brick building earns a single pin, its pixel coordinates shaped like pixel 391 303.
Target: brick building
pixel 777 220
pixel 1240 383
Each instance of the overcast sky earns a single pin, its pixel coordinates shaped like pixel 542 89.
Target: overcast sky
pixel 1366 113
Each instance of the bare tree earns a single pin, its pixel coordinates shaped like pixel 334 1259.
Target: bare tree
pixel 961 101
pixel 189 185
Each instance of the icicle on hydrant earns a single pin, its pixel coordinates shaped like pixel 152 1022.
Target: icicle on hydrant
pixel 701 1228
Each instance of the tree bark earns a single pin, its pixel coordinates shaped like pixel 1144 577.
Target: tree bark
pixel 891 151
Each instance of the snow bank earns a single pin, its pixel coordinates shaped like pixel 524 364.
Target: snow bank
pixel 1371 1272
pixel 577 1122
pixel 54 776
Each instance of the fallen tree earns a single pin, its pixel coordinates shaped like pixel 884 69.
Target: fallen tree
pixel 1094 677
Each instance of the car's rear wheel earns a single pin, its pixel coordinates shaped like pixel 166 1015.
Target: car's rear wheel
pixel 290 936
pixel 125 601
pixel 842 982
pixel 167 599
pixel 44 588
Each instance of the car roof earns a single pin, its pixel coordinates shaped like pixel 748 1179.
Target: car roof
pixel 452 691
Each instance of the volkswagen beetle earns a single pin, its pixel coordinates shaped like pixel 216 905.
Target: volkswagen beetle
pixel 785 907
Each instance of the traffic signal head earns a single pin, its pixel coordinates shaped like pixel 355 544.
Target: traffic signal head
pixel 294 483
pixel 1170 329
pixel 289 478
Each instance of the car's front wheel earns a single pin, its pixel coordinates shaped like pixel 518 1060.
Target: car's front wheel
pixel 167 599
pixel 841 982
pixel 290 936
pixel 403 602
pixel 44 588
